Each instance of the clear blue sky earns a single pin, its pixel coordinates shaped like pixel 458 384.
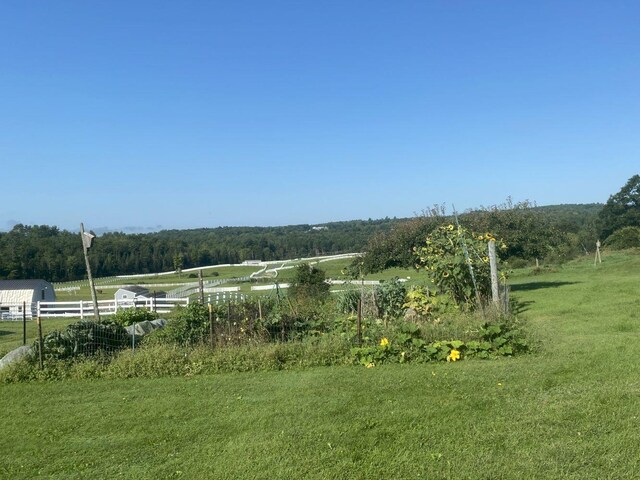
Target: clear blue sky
pixel 199 114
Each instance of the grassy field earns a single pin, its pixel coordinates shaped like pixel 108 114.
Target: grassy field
pixel 11 333
pixel 569 410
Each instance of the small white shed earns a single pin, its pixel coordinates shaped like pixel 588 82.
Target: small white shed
pixel 131 293
pixel 14 293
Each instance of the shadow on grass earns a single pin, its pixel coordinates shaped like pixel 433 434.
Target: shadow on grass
pixel 6 332
pixel 518 307
pixel 538 285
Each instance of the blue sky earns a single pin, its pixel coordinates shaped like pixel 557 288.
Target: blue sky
pixel 199 114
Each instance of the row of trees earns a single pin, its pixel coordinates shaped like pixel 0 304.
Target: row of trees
pixel 42 251
pixel 554 233
pixel 528 231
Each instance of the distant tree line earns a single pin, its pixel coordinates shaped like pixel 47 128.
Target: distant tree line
pixel 552 233
pixel 42 251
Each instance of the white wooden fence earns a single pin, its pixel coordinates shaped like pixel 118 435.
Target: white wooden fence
pixel 84 308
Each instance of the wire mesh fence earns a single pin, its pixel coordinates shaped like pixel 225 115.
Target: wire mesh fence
pixel 231 320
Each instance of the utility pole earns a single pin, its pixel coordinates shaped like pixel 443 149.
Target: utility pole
pixel 87 238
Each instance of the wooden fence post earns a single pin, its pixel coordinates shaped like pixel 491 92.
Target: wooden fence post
pixel 201 286
pixel 493 263
pixel 211 325
pixel 359 326
pixel 24 323
pixel 40 343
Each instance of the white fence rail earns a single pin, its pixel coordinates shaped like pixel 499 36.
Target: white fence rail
pixel 84 308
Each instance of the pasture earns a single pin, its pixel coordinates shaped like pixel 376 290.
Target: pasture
pixel 567 410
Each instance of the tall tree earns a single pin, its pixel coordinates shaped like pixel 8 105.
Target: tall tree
pixel 622 209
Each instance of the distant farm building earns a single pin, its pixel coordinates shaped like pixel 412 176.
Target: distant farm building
pixel 15 293
pixel 252 262
pixel 132 293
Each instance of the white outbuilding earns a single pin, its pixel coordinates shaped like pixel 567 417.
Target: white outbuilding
pixel 131 293
pixel 15 293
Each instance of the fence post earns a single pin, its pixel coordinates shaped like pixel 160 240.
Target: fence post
pixel 201 286
pixel 81 309
pixel 493 263
pixel 39 322
pixel 360 321
pixel 24 323
pixel 211 325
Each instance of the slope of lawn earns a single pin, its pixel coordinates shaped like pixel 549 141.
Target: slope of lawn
pixel 569 410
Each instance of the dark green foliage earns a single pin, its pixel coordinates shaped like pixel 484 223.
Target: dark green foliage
pixel 394 248
pixel 626 237
pixel 347 301
pixel 41 251
pixel 556 233
pixel 406 343
pixel 309 284
pixel 129 316
pixel 622 209
pixel 83 338
pixel 189 327
pixel 390 298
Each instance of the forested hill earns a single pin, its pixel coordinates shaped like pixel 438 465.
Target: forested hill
pixel 47 252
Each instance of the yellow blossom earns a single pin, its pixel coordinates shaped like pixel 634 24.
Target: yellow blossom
pixel 384 342
pixel 371 365
pixel 453 356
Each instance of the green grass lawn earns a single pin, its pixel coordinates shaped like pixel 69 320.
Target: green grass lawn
pixel 569 410
pixel 11 333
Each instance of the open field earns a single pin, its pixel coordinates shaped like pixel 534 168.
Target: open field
pixel 333 269
pixel 11 332
pixel 569 410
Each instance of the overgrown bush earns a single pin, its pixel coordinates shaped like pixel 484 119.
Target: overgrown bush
pixel 406 343
pixel 129 316
pixel 457 263
pixel 626 237
pixel 151 361
pixel 390 299
pixel 189 327
pixel 83 338
pixel 347 301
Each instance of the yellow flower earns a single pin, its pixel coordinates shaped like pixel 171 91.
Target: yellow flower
pixel 453 356
pixel 450 227
pixel 480 237
pixel 384 342
pixel 371 365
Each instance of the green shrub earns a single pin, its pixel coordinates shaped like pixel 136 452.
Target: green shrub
pixel 626 237
pixel 407 343
pixel 390 298
pixel 83 338
pixel 347 301
pixel 129 316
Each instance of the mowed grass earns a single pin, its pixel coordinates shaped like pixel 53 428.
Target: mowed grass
pixel 569 410
pixel 12 333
